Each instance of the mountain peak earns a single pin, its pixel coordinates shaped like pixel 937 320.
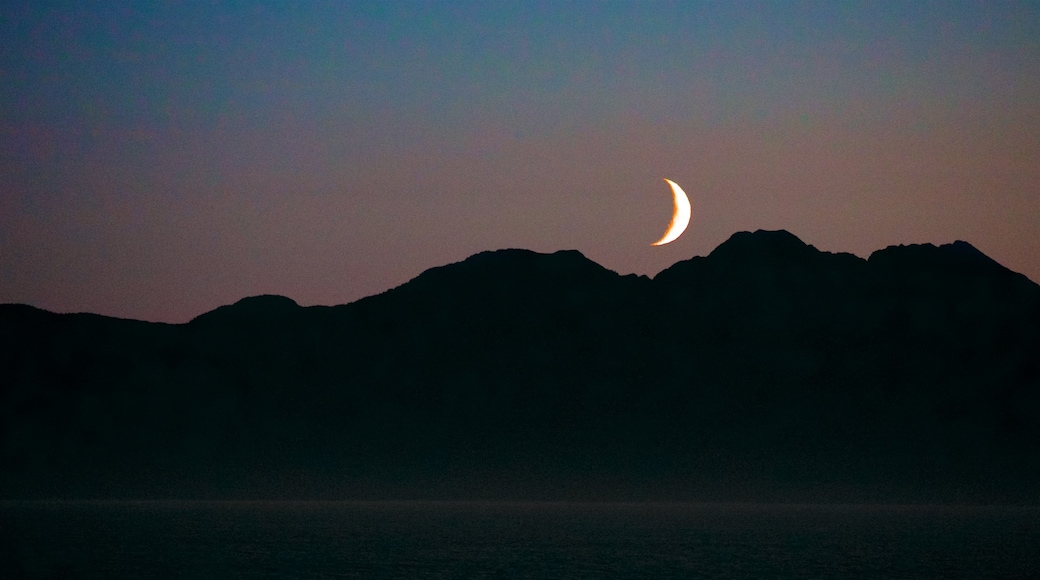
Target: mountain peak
pixel 262 306
pixel 522 255
pixel 776 244
pixel 966 251
pixel 959 254
pixel 515 263
pixel 266 302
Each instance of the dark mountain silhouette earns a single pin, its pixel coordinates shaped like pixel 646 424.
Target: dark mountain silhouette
pixel 767 370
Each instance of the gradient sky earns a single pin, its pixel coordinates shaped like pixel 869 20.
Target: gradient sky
pixel 159 159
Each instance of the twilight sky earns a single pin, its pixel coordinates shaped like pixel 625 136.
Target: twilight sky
pixel 159 159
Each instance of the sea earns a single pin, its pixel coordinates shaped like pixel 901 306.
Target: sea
pixel 373 540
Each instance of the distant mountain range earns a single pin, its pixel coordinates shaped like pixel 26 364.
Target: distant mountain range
pixel 767 370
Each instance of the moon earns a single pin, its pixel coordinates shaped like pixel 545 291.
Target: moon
pixel 681 217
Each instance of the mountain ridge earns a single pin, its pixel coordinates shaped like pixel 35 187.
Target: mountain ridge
pixel 765 371
pixel 735 246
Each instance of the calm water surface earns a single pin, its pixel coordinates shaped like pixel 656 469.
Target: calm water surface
pixel 513 540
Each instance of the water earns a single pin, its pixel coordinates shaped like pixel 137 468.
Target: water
pixel 513 540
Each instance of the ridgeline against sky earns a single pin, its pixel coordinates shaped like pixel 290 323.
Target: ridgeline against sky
pixel 160 159
pixel 766 371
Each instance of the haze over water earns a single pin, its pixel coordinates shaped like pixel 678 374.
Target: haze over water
pixel 513 540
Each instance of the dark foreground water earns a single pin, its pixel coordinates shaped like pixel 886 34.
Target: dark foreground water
pixel 513 540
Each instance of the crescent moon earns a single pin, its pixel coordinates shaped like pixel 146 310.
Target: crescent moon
pixel 681 217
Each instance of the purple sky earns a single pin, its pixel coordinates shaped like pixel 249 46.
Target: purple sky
pixel 156 163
